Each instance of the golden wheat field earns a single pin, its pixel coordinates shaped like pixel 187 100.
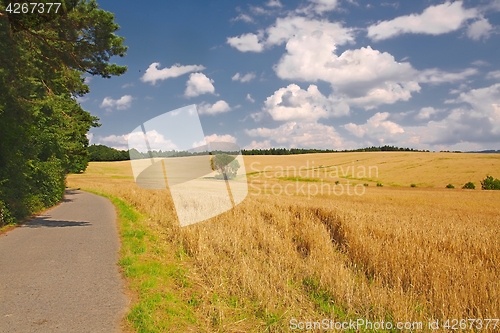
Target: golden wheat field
pixel 297 250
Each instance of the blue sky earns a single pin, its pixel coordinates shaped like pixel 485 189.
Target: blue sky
pixel 336 74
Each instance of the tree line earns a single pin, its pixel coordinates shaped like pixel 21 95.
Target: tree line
pixel 98 153
pixel 294 151
pixel 44 58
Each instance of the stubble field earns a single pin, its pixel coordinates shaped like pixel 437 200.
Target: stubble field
pixel 299 250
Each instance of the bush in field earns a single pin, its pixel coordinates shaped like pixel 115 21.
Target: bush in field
pixel 337 182
pixel 413 185
pixel 450 186
pixel 380 184
pixel 490 184
pixel 469 186
pixel 365 184
pixel 226 165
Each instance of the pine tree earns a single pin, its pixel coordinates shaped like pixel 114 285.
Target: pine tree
pixel 43 60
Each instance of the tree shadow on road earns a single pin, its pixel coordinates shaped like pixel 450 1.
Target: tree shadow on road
pixel 69 194
pixel 47 222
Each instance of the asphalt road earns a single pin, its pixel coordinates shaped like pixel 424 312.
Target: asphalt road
pixel 59 273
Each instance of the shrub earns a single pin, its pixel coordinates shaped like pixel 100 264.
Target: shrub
pixel 5 216
pixel 337 182
pixel 380 184
pixel 365 184
pixel 450 186
pixel 469 186
pixel 490 184
pixel 413 185
pixel 49 182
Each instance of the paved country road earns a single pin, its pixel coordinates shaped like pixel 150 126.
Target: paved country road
pixel 59 273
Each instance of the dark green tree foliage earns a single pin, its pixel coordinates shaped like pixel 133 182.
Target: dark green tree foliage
pixel 42 126
pixel 469 186
pixel 490 183
pixel 98 153
pixel 294 151
pixel 226 165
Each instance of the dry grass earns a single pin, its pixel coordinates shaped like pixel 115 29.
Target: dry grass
pixel 392 254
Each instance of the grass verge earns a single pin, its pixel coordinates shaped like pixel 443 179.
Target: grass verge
pixel 7 227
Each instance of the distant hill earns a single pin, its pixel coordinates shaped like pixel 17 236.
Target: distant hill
pixel 486 152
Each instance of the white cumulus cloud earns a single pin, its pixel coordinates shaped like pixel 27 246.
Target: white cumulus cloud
pixel 480 63
pixel 246 43
pixel 154 74
pixel 215 138
pixel 213 109
pixel 479 29
pixel 244 18
pixel 243 78
pixel 462 126
pixel 266 144
pixel 274 3
pixel 289 27
pixel 484 100
pixel 249 98
pixel 427 112
pixel 297 134
pixel 318 7
pixel 476 124
pixel 376 128
pixel 122 103
pixel 294 103
pixel 313 57
pixel 220 138
pixel 493 75
pixel 136 140
pixel 434 20
pixel 363 77
pixel 436 76
pixel 198 84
